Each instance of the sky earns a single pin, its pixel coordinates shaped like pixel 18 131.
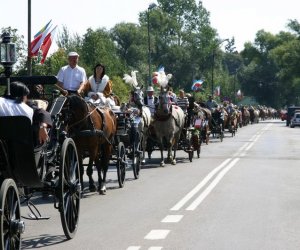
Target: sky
pixel 240 19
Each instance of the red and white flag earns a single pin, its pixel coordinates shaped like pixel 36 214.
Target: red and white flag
pixel 36 44
pixel 47 44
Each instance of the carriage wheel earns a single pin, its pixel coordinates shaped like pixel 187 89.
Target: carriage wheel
pixel 69 188
pixel 10 220
pixel 136 160
pixel 121 164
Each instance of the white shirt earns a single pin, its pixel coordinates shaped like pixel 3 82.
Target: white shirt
pixel 71 78
pixel 151 104
pixel 9 107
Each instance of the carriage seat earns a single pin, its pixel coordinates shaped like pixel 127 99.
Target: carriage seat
pixel 16 136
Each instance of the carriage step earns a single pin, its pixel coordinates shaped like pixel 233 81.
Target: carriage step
pixel 34 213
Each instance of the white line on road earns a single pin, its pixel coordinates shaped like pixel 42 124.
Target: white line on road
pixel 157 234
pixel 211 186
pixel 155 248
pixel 196 189
pixel 134 248
pixel 172 218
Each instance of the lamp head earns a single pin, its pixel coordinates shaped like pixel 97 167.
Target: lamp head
pixel 7 50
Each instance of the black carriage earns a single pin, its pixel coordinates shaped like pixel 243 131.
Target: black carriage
pixel 217 123
pixel 127 144
pixel 27 170
pixel 190 139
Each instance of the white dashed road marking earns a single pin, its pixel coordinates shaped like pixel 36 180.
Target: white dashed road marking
pixel 223 168
pixel 133 248
pixel 157 235
pixel 172 218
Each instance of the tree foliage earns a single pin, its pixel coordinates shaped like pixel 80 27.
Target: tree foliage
pixel 182 40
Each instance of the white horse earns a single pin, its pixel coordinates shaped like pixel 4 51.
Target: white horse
pixel 168 119
pixel 168 124
pixel 137 96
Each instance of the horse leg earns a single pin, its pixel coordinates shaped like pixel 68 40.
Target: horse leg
pixel 169 148
pixel 89 172
pixel 161 147
pixel 81 171
pixel 144 145
pixel 105 155
pixel 175 145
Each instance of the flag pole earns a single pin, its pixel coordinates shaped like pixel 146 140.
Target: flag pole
pixel 29 64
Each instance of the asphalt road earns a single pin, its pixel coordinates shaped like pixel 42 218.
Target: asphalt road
pixel 243 193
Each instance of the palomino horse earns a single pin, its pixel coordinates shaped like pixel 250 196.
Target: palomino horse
pixel 254 115
pixel 232 120
pixel 93 130
pixel 206 121
pixel 168 124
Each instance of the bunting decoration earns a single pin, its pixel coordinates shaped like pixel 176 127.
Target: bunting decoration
pixel 47 44
pixel 197 85
pixel 42 29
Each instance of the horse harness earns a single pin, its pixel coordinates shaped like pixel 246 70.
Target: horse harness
pixel 93 131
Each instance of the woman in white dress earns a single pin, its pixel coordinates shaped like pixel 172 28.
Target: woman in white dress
pixel 98 87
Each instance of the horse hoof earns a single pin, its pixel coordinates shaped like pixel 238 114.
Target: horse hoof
pixel 162 164
pixel 174 162
pixel 143 162
pixel 102 192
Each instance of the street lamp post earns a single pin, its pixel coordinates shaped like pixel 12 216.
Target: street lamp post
pixel 7 56
pixel 213 64
pixel 151 6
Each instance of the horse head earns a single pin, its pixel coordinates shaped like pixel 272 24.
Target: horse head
pixel 164 107
pixel 138 96
pixel 77 112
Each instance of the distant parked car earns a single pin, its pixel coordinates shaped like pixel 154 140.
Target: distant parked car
pixel 295 121
pixel 290 113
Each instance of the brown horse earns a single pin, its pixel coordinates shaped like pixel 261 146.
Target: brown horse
pixel 93 130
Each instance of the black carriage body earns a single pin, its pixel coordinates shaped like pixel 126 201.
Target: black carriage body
pixel 17 158
pixel 51 167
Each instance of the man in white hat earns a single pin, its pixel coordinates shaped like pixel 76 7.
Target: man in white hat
pixel 71 76
pixel 150 100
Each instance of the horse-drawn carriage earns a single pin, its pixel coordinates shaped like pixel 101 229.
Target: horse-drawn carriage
pixel 127 144
pixel 26 170
pixel 217 124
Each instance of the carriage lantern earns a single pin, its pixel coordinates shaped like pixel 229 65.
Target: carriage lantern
pixel 7 56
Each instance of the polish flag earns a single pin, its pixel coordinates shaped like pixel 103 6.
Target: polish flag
pixel 47 44
pixel 36 44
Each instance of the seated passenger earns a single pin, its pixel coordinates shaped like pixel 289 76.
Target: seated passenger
pixel 98 87
pixel 16 103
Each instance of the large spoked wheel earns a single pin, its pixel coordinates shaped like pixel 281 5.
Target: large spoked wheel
pixel 69 188
pixel 136 161
pixel 121 164
pixel 10 219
